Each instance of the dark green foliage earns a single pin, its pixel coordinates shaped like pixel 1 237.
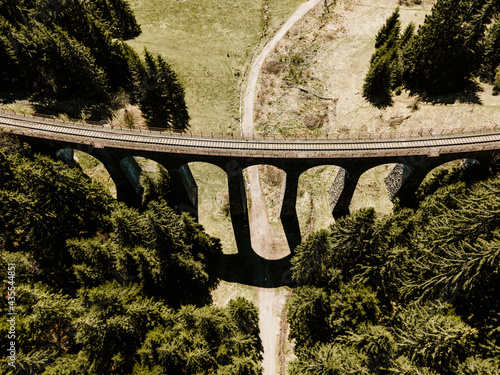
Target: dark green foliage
pixel 319 315
pixel 162 96
pixel 157 186
pixel 386 68
pixel 97 282
pixel 115 321
pixel 69 364
pixel 377 88
pixel 119 16
pixel 492 52
pixel 169 253
pixel 60 50
pixel 447 52
pixel 479 366
pixel 496 87
pixel 435 306
pixel 389 33
pixel 330 359
pixel 327 258
pixel 432 336
pixel 35 214
pixel 47 316
pixel 201 341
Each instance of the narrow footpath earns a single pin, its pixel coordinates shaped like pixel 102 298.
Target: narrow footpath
pixel 264 240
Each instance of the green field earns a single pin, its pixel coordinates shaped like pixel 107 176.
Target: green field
pixel 210 44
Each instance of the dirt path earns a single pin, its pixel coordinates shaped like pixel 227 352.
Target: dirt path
pixel 270 301
pixel 253 74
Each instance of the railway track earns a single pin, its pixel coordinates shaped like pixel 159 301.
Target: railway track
pixel 102 136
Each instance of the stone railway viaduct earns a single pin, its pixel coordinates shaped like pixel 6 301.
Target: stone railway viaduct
pixel 414 156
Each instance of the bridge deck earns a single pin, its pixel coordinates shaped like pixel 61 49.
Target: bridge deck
pixel 167 142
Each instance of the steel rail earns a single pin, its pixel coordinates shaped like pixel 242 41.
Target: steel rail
pixel 102 136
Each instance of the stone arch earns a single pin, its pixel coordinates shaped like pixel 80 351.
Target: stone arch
pixel 413 174
pixel 314 198
pixel 213 203
pixel 460 163
pixel 153 169
pixel 343 188
pixel 377 186
pixel 90 164
pixel 268 187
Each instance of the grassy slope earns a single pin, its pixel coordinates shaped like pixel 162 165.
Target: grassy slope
pixel 209 44
pixel 196 37
pixel 332 54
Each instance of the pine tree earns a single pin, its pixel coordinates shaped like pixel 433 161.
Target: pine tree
pixel 492 53
pixel 162 96
pixel 119 16
pixel 377 87
pixel 390 31
pixel 446 52
pixel 385 70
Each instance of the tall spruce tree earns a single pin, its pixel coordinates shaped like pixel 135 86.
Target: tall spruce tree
pixel 446 52
pixel 385 70
pixel 162 96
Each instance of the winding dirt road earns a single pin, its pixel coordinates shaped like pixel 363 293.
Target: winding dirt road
pixel 270 303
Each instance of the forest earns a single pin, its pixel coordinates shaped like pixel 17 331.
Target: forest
pixel 101 288
pixel 70 56
pixel 457 46
pixel 414 292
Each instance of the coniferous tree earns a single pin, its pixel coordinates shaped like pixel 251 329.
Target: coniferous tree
pixel 492 52
pixel 119 16
pixel 162 96
pixel 377 87
pixel 390 31
pixel 446 51
pixel 72 49
pixel 385 70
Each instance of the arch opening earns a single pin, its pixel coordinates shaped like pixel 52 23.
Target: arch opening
pixel 155 182
pixel 376 187
pixel 315 198
pixel 92 167
pixel 449 172
pixel 213 203
pixel 265 185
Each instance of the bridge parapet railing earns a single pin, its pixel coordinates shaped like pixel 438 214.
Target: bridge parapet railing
pixel 270 152
pixel 361 136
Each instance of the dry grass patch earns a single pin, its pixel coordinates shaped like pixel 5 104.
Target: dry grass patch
pixel 129 117
pixel 329 55
pixel 371 191
pixel 95 170
pixel 272 183
pixel 313 201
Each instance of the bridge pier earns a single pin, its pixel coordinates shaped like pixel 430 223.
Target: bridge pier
pixel 126 190
pixel 238 209
pixel 67 155
pixel 342 191
pixel 184 187
pixel 288 213
pixel 414 169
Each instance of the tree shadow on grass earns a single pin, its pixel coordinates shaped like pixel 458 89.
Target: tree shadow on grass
pixel 468 95
pixel 255 271
pixel 74 109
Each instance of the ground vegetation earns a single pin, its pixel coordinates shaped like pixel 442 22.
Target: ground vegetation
pixel 412 292
pixel 101 288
